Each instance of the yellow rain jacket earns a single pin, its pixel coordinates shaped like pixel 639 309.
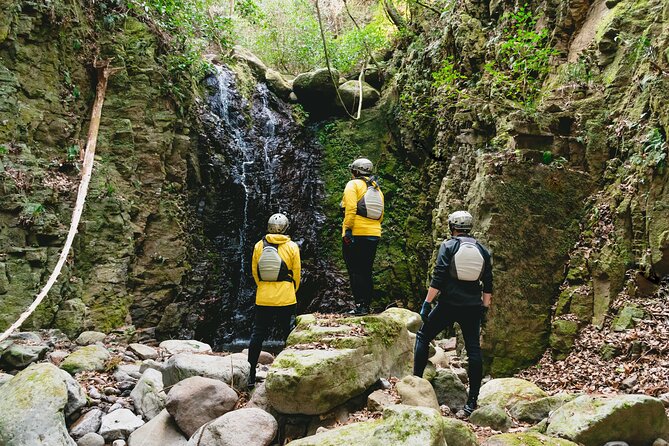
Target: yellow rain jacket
pixel 360 225
pixel 278 294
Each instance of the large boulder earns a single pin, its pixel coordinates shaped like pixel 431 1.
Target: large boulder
pixel 248 427
pixel 33 406
pixel 526 438
pixel 256 65
pixel 232 369
pixel 506 392
pixel 594 420
pixel 415 391
pixel 174 346
pixel 352 354
pixel 19 356
pixel 536 410
pixel 278 84
pixel 350 95
pixel 315 89
pixel 400 426
pixel 89 358
pixel 198 400
pixel 449 389
pixel 148 395
pixel 410 319
pixel 458 433
pixel 160 431
pixel 143 351
pixel 491 416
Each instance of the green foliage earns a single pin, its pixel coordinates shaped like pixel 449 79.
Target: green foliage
pixel 654 151
pixel 447 77
pixel 31 213
pixel 547 157
pixel 72 152
pixel 349 49
pixel 4 150
pixel 523 59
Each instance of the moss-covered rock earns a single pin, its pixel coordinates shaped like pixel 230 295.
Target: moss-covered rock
pixel 491 416
pixel 536 410
pixel 458 433
pixel 626 318
pixel 401 426
pixel 307 379
pixel 415 391
pixel 562 338
pixel 526 439
pixel 89 358
pixel 594 420
pixel 449 389
pixel 350 94
pixel 507 392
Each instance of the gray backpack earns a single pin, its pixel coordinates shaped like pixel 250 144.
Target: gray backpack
pixel 271 267
pixel 467 263
pixel 371 204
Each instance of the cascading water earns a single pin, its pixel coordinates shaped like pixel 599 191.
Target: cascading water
pixel 259 162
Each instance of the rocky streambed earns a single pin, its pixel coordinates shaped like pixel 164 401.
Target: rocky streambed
pixel 340 381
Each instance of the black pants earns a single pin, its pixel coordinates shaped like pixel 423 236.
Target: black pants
pixel 359 257
pixel 469 320
pixel 265 318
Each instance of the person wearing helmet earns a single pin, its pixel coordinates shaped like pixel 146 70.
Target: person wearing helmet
pixel 363 207
pixel 276 270
pixel 462 280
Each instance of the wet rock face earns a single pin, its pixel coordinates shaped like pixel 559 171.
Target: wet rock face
pixel 258 161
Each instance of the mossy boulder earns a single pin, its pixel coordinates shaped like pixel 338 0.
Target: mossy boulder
pixel 33 406
pixel 89 358
pixel 21 355
pixel 410 319
pixel 278 84
pixel 328 361
pixel 626 318
pixel 526 439
pixel 536 410
pixel 232 369
pixel 491 416
pixel 563 336
pixel 415 391
pixel 458 433
pixel 315 89
pixel 400 426
pixel 350 95
pixel 594 420
pixel 449 389
pixel 507 392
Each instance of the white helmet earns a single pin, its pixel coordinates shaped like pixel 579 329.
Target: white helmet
pixel 361 166
pixel 460 221
pixel 277 224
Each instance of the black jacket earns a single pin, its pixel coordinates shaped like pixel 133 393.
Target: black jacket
pixel 458 292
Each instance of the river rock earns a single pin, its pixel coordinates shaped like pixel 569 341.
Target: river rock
pixel 26 336
pixel 505 392
pixel 278 84
pixel 410 319
pixel 491 416
pixel 255 64
pixel 526 438
pixel 160 431
pixel 174 346
pixel 143 351
pixel 536 410
pixel 593 420
pixel 5 377
pixel 379 400
pixel 449 389
pixel 89 358
pixel 626 318
pixel 33 406
pixel 90 337
pixel 416 391
pixel 127 372
pixel 232 370
pixel 119 424
pixel 248 427
pixel 148 395
pixel 91 439
pixel 313 381
pixel 350 93
pixel 87 423
pixel 19 356
pixel 458 433
pixel 315 89
pixel 400 426
pixel 198 400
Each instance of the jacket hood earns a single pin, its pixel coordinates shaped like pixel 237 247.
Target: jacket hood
pixel 277 239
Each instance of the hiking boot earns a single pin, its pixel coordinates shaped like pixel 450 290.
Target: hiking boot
pixel 359 310
pixel 470 407
pixel 251 383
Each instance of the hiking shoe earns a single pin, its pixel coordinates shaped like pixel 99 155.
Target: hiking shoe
pixel 359 310
pixel 470 407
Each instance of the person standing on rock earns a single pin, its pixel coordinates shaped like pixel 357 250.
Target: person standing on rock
pixel 362 206
pixel 276 269
pixel 462 280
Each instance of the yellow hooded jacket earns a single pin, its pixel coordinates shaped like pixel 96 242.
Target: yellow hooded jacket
pixel 278 294
pixel 360 225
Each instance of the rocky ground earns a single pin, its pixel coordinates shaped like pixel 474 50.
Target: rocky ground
pixel 341 380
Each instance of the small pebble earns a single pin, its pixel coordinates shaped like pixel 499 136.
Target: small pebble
pixel 111 391
pixel 94 393
pixel 119 443
pixel 114 407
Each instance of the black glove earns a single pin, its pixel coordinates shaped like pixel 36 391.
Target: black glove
pixel 348 237
pixel 484 316
pixel 425 311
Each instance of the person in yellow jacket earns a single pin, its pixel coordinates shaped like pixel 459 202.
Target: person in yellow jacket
pixel 363 207
pixel 276 270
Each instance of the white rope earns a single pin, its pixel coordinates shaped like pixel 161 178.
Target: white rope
pixel 103 75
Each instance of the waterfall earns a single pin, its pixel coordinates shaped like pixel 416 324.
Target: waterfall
pixel 258 162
